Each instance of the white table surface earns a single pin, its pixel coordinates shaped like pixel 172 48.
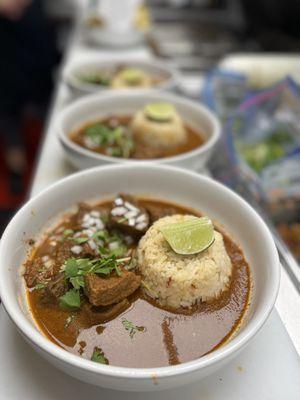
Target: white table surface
pixel 268 369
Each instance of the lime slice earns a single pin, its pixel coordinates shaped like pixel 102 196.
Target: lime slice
pixel 132 76
pixel 160 112
pixel 189 237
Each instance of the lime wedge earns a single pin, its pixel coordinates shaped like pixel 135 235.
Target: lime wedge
pixel 160 112
pixel 132 75
pixel 189 237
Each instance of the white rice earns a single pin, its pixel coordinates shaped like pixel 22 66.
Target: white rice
pixel 158 135
pixel 176 280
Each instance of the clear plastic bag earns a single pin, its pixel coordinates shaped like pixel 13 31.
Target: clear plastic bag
pixel 259 153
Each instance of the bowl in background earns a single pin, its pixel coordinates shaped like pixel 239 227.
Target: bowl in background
pixel 124 102
pixel 152 66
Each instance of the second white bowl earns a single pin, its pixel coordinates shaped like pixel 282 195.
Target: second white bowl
pixel 153 67
pixel 127 102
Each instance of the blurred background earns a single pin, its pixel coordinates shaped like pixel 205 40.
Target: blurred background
pixel 202 38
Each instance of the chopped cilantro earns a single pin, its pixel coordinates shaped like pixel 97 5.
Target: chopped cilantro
pixel 68 232
pixel 77 282
pixel 116 141
pixel 131 328
pixel 39 286
pixel 98 356
pixel 80 240
pixel 70 300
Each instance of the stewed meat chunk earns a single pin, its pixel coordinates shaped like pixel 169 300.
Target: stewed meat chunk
pixel 56 287
pixel 110 290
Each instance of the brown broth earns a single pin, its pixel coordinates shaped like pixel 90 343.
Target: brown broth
pixel 165 337
pixel 141 151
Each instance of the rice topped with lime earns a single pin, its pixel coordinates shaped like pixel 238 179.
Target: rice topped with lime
pixel 176 280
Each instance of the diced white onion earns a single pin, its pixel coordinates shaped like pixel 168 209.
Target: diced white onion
pixel 95 213
pixel 118 201
pixel 76 249
pixel 141 226
pixel 130 214
pixel 141 218
pixel 113 245
pixel 131 206
pixel 92 244
pixel 118 211
pixel 131 222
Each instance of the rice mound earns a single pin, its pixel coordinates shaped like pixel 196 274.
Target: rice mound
pixel 156 134
pixel 176 280
pixel 118 82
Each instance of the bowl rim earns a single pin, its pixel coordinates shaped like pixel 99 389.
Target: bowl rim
pixel 69 77
pixel 237 343
pixel 142 93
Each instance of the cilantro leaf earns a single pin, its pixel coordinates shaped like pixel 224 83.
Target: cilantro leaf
pixel 77 282
pixel 68 232
pixel 70 300
pixel 131 328
pixel 98 356
pixel 71 267
pixel 39 286
pixel 80 240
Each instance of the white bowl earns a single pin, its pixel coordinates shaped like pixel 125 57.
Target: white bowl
pixel 101 36
pixel 96 106
pixel 153 67
pixel 174 184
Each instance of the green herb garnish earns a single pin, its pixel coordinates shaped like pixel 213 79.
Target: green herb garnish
pixel 70 300
pixel 132 264
pixel 116 141
pixel 80 240
pixel 96 78
pixel 76 269
pixel 68 232
pixel 108 262
pixel 131 328
pixel 39 286
pixel 98 356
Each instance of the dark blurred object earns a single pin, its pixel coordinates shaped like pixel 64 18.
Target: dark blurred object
pixel 28 57
pixel 198 34
pixel 275 24
pixel 27 60
pixel 13 9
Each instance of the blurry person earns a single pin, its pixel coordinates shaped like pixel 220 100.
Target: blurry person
pixel 28 54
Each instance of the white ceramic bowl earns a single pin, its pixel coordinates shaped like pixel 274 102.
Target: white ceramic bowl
pixel 126 102
pixel 101 36
pixel 153 67
pixel 174 184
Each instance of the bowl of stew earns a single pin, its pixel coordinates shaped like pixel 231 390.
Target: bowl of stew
pixel 138 277
pixel 145 125
pixel 95 74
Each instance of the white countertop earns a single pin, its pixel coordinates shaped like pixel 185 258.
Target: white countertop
pixel 269 368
